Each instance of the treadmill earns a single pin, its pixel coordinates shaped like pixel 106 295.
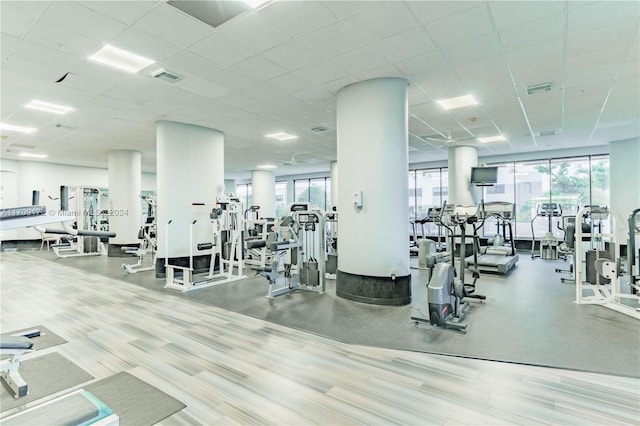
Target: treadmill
pixel 498 257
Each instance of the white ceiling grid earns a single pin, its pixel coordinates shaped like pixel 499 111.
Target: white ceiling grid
pixel 279 69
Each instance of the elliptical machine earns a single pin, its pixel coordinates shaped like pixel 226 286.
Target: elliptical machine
pixel 445 295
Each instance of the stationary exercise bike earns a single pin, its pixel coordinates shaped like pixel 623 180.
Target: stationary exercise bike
pixel 447 307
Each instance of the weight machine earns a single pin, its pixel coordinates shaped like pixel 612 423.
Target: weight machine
pixel 633 256
pixel 331 224
pixel 603 288
pixel 258 233
pixel 148 241
pixel 226 221
pixel 548 243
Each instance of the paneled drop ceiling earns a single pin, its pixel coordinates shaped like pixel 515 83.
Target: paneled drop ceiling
pixel 278 69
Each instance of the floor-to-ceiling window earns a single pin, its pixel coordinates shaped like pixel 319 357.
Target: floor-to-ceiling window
pixel 244 192
pixel 281 199
pixel 316 191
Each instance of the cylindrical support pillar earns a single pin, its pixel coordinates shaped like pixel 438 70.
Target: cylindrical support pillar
pixel 263 189
pixel 334 184
pixel 230 186
pixel 373 266
pixel 460 161
pixel 624 157
pixel 125 206
pixel 190 169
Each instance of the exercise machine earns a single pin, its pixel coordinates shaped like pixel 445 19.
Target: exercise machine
pixel 430 252
pixel 601 287
pixel 258 233
pixel 446 296
pixel 498 257
pixel 633 252
pixel 548 247
pixel 226 249
pixel 147 235
pixel 300 254
pixel 331 225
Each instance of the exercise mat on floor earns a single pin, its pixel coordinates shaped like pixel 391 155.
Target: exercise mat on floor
pixel 133 400
pixel 46 339
pixel 45 375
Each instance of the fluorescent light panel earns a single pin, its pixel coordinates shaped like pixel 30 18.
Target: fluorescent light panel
pixel 120 59
pixel 30 155
pixel 488 139
pixel 281 136
pixel 48 107
pixel 457 102
pixel 4 126
pixel 266 166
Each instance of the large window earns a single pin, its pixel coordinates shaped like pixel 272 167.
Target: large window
pixel 281 199
pixel 570 182
pixel 317 191
pixel 244 192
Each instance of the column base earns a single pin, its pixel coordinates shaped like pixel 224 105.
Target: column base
pixel 200 264
pixel 374 290
pixel 115 250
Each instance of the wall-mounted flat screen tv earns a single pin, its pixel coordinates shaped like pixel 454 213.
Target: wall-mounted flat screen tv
pixel 484 176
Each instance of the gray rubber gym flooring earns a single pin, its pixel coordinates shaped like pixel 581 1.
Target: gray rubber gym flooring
pixel 529 317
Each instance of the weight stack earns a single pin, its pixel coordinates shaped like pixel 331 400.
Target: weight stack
pixel 591 269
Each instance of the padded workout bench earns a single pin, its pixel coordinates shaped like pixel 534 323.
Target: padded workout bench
pixel 15 347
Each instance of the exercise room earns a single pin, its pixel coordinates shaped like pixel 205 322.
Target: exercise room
pixel 319 212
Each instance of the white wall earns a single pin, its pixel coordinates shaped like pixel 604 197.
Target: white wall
pixel 47 178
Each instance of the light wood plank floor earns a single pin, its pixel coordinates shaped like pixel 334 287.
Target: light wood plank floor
pixel 233 369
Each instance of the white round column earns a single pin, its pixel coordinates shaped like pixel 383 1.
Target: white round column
pixel 460 161
pixel 190 169
pixel 373 266
pixel 263 190
pixel 334 184
pixel 125 208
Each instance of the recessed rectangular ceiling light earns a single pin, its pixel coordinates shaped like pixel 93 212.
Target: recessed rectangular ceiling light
pixel 266 166
pixel 120 59
pixel 48 107
pixel 281 136
pixel 458 102
pixel 4 126
pixel 498 138
pixel 30 155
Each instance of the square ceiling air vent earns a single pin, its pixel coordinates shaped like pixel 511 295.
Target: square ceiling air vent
pixel 543 87
pixel 165 75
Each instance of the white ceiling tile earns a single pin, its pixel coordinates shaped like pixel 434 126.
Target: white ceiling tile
pixel 127 12
pixel 313 94
pixel 333 40
pixel 485 74
pixel 602 13
pixel 297 18
pixel 230 79
pixel 294 54
pixel 602 38
pixel 594 66
pixel 186 63
pixel 13 21
pixel 43 73
pixel 202 87
pixel 537 64
pixel 418 65
pixel 345 8
pixel 258 68
pixel 359 60
pixel 475 49
pixel 183 29
pixel 289 83
pixel 43 55
pixel 93 77
pixel 64 95
pixel 405 45
pixel 259 92
pixel 383 71
pixel 321 72
pixel 335 85
pixel 429 11
pixel 61 39
pixel 537 32
pixel 507 14
pixel 80 20
pixel 220 50
pixel 144 44
pixel 253 33
pixel 236 100
pixel 462 26
pixel 373 23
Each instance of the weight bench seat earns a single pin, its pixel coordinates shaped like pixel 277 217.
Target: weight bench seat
pixel 15 347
